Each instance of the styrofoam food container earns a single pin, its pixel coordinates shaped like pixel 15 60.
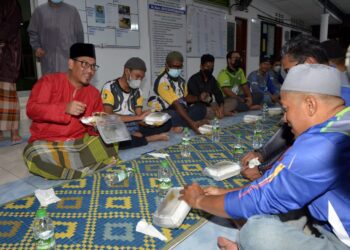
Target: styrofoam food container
pixel 205 129
pixel 222 170
pixel 275 111
pixel 157 118
pixel 171 212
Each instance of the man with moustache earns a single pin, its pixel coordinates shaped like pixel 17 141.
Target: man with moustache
pixel 60 146
pixel 313 173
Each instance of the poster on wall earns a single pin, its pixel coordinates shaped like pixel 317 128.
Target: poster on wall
pixel 121 16
pixel 108 23
pixel 167 23
pixel 206 31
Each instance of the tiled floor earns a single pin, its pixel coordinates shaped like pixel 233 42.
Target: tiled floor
pixel 16 181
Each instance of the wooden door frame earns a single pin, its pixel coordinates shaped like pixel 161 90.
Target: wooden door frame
pixel 242 39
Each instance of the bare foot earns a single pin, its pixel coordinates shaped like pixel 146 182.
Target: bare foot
pixel 177 130
pixel 225 244
pixel 158 137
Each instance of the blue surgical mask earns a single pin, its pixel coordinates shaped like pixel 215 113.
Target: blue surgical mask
pixel 56 1
pixel 175 73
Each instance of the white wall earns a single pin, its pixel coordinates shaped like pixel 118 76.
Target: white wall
pixel 111 60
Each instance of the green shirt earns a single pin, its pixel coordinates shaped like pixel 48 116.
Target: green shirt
pixel 232 80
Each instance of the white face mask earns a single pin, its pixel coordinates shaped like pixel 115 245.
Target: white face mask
pixel 175 73
pixel 277 68
pixel 134 84
pixel 56 1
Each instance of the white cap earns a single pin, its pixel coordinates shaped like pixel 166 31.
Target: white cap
pixel 313 78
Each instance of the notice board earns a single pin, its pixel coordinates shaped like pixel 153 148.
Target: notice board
pixel 109 23
pixel 206 31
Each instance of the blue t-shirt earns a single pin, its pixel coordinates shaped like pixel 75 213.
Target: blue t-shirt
pixel 314 172
pixel 260 83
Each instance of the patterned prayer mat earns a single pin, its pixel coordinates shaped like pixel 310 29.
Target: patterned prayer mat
pixel 92 216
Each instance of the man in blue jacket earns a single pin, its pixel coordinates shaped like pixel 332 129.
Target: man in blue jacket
pixel 313 173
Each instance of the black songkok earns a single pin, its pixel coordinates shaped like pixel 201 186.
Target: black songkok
pixel 82 49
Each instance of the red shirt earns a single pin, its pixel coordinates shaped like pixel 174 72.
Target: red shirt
pixel 47 108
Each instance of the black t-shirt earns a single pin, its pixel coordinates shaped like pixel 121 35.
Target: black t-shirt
pixel 196 85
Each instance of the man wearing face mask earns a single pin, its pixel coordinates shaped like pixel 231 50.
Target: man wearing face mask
pixel 171 91
pixel 202 86
pixel 53 28
pixel 262 82
pixel 278 73
pixel 123 96
pixel 233 84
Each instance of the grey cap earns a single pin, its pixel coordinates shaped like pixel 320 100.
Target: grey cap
pixel 174 56
pixel 135 63
pixel 313 78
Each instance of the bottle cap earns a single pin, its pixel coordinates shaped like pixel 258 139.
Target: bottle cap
pixel 41 213
pixel 164 164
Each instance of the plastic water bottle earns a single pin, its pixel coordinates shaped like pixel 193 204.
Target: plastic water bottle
pixel 164 179
pixel 238 150
pixel 215 136
pixel 118 176
pixel 257 136
pixel 43 230
pixel 265 107
pixel 185 143
pixel 265 111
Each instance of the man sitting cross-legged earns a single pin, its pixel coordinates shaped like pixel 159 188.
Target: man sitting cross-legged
pixel 60 146
pixel 123 96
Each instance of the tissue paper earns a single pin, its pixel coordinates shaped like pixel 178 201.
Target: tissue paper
pixel 158 155
pixel 148 229
pixel 254 162
pixel 46 197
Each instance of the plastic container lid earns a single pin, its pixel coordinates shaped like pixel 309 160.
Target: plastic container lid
pixel 112 129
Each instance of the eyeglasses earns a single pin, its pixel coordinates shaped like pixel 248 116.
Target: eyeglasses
pixel 86 65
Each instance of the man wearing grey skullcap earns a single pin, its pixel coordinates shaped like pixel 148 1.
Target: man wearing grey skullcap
pixel 171 90
pixel 313 173
pixel 313 78
pixel 298 50
pixel 56 105
pixel 135 63
pixel 123 96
